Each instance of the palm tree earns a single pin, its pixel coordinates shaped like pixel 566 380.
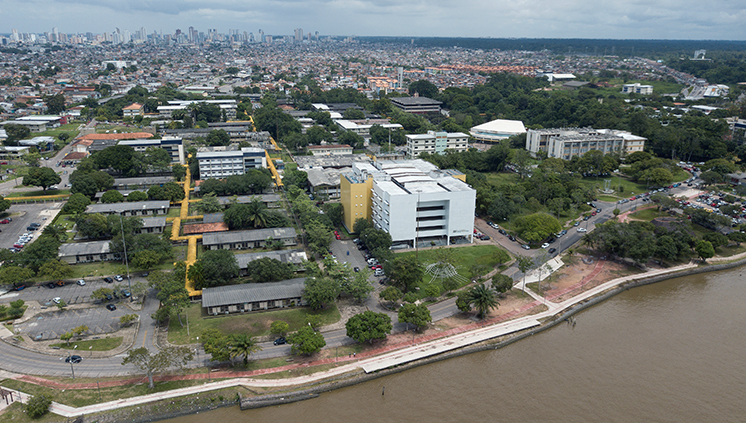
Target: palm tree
pixel 257 212
pixel 242 345
pixel 483 299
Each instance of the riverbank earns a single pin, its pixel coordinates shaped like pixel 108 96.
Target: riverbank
pixel 262 392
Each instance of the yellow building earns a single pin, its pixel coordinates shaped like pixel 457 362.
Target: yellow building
pixel 355 195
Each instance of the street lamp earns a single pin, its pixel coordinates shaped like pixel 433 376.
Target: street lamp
pixel 126 263
pixel 70 358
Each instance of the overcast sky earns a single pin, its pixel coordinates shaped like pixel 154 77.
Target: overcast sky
pixel 630 19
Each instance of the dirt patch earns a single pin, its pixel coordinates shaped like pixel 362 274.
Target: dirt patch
pixel 584 272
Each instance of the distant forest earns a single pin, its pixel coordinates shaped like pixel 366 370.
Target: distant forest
pixel 622 48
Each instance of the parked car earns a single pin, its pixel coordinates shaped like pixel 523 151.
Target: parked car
pixel 552 250
pixel 75 359
pixel 545 245
pixel 118 278
pixel 81 282
pixel 582 230
pixel 57 300
pixel 108 280
pixel 51 285
pixel 111 307
pixel 5 221
pixel 280 341
pixel 525 247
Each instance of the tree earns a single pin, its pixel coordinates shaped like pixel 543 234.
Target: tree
pixel 251 215
pixel 390 293
pixel 358 286
pixel 502 283
pixel 166 358
pixel 32 159
pixel 704 249
pixel 416 314
pixel 14 274
pixel 55 104
pixel 179 171
pixel 38 406
pixel 424 88
pixel 210 203
pixel 306 341
pixel 4 204
pixel 405 272
pixel 268 269
pixel 112 196
pixel 242 345
pixel 536 227
pixel 127 320
pixel 39 252
pixel 217 137
pixel 320 291
pixel 483 299
pixel 16 133
pixel 218 267
pixel 171 292
pixel 137 196
pixel 319 236
pixel 368 326
pixel 56 269
pixel 145 259
pixel 43 177
pixel 279 327
pixel 215 343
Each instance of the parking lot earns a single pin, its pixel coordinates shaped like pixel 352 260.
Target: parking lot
pixel 71 292
pixel 23 215
pixel 53 323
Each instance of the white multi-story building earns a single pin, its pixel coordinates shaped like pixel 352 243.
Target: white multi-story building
pixel 436 142
pixel 412 200
pixel 174 146
pixel 637 88
pixel 566 143
pixel 216 162
pixel 362 126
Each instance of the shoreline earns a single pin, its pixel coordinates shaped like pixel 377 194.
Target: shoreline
pixel 312 385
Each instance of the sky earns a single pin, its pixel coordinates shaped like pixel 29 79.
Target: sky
pixel 629 19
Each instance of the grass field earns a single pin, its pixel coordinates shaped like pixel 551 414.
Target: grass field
pixel 253 324
pixel 470 262
pixel 105 344
pixel 647 214
pixel 39 193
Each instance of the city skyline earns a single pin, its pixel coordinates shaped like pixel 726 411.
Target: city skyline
pixel 660 19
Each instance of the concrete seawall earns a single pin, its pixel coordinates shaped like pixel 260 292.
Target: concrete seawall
pixel 361 377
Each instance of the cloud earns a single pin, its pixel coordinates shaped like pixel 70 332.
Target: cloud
pixel 682 19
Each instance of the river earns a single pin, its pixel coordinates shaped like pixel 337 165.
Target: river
pixel 668 352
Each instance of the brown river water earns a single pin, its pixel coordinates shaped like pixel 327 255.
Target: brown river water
pixel 668 352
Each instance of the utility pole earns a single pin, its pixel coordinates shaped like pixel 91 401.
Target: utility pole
pixel 126 263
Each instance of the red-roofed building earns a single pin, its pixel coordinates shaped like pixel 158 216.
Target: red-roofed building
pixel 200 228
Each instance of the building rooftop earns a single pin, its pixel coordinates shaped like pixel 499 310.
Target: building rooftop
pixel 124 207
pixel 248 236
pixel 83 248
pixel 252 292
pixel 285 256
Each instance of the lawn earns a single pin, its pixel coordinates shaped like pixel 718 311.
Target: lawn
pixel 647 214
pixel 253 324
pixel 498 178
pixel 174 212
pixel 105 344
pixel 470 262
pixel 39 193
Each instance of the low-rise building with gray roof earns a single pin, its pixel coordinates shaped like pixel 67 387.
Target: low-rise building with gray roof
pixel 241 240
pixel 152 225
pixel 135 208
pixel 142 183
pixel 86 252
pixel 337 161
pixel 253 296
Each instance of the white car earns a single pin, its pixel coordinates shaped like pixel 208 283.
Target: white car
pixel 118 278
pixel 81 282
pixel 545 245
pixel 582 230
pixel 56 300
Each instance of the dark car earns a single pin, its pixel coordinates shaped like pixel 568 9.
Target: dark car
pixel 552 250
pixel 75 359
pixel 280 341
pixel 109 297
pixel 20 287
pixel 356 269
pixel 51 285
pixel 108 280
pixel 511 237
pixel 111 307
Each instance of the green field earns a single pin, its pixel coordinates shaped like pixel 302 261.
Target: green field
pixel 253 324
pixel 105 344
pixel 38 193
pixel 470 262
